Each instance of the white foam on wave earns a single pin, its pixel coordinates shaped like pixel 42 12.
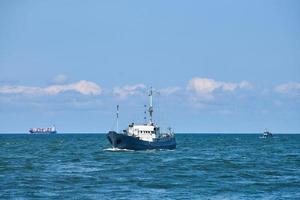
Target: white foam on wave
pixel 273 137
pixel 146 150
pixel 116 149
pixel 155 150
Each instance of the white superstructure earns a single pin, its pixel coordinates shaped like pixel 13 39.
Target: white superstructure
pixel 146 132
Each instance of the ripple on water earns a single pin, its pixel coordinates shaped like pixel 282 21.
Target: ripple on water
pixel 202 167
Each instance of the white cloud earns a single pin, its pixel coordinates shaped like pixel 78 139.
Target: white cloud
pixel 60 78
pixel 245 85
pixel 128 90
pixel 202 85
pixel 285 88
pixel 169 90
pixel 205 87
pixel 20 90
pixel 83 87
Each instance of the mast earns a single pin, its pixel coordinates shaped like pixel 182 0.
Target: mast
pixel 145 112
pixel 150 106
pixel 117 118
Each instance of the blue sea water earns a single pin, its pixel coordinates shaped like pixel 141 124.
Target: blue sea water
pixel 204 166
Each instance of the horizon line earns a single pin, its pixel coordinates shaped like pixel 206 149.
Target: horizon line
pixel 181 133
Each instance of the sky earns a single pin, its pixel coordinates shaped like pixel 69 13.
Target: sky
pixel 216 66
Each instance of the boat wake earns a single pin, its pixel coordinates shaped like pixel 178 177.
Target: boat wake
pixel 130 150
pixel 262 137
pixel 116 149
pixel 147 150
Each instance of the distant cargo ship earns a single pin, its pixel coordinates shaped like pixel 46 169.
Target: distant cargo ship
pixel 49 130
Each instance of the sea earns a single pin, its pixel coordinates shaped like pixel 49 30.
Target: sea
pixel 203 166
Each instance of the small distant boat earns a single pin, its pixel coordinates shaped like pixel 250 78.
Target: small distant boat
pixel 49 130
pixel 142 137
pixel 267 134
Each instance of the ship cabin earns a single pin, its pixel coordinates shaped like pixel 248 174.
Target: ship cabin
pixel 147 132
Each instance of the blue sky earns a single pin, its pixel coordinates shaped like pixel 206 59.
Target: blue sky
pixel 217 66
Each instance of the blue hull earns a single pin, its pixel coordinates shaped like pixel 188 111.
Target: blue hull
pixel 122 141
pixel 40 132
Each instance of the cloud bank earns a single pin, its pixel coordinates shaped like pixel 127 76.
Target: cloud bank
pixel 169 90
pixel 83 87
pixel 128 90
pixel 205 87
pixel 286 88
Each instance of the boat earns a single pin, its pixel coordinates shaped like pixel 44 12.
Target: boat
pixel 48 130
pixel 267 134
pixel 145 136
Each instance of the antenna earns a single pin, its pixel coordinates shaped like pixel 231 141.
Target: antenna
pixel 117 118
pixel 145 112
pixel 150 106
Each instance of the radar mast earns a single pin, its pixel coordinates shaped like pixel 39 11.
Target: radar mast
pixel 151 105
